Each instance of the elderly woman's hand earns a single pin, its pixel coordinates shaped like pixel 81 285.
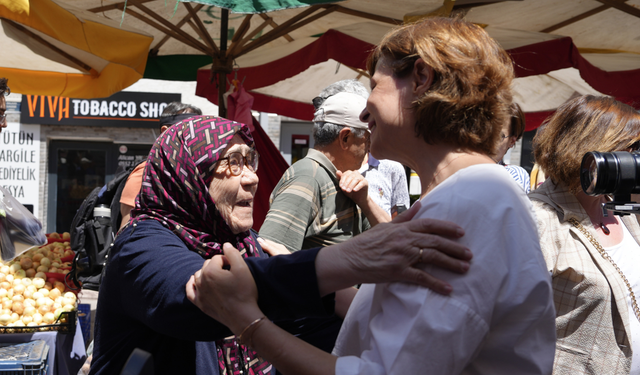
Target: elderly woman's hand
pixel 394 252
pixel 227 295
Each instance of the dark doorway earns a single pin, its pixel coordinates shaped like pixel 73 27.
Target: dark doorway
pixel 76 168
pixel 526 158
pixel 299 147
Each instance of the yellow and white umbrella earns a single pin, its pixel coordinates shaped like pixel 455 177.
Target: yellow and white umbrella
pixel 50 48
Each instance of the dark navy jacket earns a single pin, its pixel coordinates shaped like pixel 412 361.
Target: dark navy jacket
pixel 142 301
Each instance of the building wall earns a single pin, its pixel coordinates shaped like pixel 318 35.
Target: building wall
pixel 49 133
pixel 271 125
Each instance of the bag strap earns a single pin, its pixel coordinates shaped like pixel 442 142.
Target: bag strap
pixel 116 216
pixel 99 234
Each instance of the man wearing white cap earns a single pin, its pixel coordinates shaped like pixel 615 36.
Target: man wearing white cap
pixel 314 204
pixel 320 200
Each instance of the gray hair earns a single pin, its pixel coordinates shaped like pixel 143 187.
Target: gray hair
pixel 176 108
pixel 324 133
pixel 348 85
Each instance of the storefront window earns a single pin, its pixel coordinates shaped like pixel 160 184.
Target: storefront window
pixel 79 172
pixel 76 168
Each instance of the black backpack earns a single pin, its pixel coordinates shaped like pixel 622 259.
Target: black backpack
pixel 92 237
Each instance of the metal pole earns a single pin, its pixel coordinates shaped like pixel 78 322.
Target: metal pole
pixel 222 77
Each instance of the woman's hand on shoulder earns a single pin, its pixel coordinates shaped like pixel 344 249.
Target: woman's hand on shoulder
pixel 227 295
pixel 395 251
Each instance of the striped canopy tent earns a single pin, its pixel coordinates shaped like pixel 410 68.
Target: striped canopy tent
pixel 576 48
pixel 560 50
pixel 287 50
pixel 52 48
pixel 190 35
pixel 550 69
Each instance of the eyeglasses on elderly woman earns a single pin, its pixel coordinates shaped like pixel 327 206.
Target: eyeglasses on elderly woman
pixel 237 161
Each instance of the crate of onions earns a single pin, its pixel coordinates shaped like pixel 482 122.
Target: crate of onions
pixel 35 292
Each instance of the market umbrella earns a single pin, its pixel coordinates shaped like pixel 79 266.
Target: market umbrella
pixel 188 36
pixel 52 48
pixel 565 58
pixel 594 50
pixel 547 35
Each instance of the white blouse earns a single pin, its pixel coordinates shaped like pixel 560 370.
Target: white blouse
pixel 500 318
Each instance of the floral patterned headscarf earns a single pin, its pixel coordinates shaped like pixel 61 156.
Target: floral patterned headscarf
pixel 176 179
pixel 175 192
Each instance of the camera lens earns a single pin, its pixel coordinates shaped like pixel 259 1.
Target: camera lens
pixel 589 172
pixel 610 173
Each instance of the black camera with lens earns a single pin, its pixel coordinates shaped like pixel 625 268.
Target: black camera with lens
pixel 613 173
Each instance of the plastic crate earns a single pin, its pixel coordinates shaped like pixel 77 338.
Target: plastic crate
pixel 24 359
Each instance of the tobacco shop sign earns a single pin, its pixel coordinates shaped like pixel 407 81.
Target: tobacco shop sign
pixel 123 109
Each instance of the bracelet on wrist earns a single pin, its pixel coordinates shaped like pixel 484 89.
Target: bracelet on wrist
pixel 248 331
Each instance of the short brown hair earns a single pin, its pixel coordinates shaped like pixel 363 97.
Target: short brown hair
pixel 517 121
pixel 469 98
pixel 586 123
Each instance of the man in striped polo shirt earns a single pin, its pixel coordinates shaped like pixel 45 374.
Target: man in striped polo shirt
pixel 309 208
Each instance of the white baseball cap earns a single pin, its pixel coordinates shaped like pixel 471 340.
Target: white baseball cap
pixel 343 108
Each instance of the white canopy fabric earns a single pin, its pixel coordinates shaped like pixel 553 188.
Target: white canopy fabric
pixel 285 57
pixel 552 67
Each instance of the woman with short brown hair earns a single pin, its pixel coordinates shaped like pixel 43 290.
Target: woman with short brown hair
pixel 465 98
pixel 593 259
pixel 584 124
pixel 440 94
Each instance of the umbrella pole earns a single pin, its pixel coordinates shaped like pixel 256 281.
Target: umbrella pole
pixel 222 76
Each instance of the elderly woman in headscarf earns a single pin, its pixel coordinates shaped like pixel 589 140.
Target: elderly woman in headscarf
pixel 197 193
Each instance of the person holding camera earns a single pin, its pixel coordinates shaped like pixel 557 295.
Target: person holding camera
pixel 592 258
